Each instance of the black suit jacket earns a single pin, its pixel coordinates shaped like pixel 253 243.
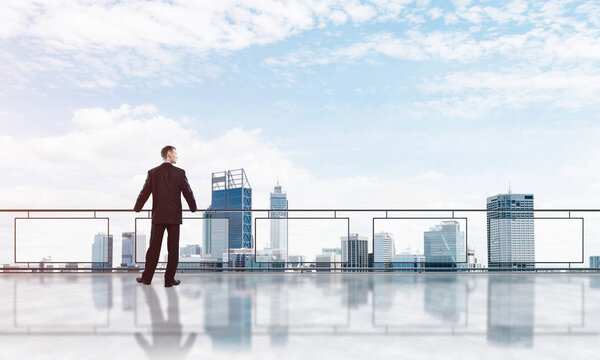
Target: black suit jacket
pixel 166 183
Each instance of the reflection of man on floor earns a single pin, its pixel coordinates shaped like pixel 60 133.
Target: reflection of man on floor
pixel 166 333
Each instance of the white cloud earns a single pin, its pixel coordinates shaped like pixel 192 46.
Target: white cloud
pixel 338 17
pixel 535 46
pixel 435 13
pixel 552 59
pixel 109 44
pixel 360 13
pixel 102 162
pixel 104 43
pixel 474 94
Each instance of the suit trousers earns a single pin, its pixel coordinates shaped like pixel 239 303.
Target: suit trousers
pixel 153 253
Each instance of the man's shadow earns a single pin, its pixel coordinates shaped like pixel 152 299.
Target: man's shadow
pixel 166 333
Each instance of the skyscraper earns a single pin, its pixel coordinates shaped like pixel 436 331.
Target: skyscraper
pixel 230 191
pixel 279 227
pixel 102 252
pixel 510 234
pixel 383 248
pixel 444 245
pixel 214 238
pixel 128 248
pixel 355 250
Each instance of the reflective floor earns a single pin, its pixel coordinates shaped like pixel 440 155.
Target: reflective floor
pixel 300 316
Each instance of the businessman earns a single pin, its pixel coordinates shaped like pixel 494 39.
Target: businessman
pixel 166 183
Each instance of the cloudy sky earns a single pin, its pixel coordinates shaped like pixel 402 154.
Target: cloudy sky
pixel 350 104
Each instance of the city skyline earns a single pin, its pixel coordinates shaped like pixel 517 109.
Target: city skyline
pixel 385 251
pixel 379 251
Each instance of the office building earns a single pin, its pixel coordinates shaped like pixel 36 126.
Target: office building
pixel 264 261
pixel 279 226
pixel 510 231
pixel 331 250
pixel 383 249
pixel 71 267
pixel 355 250
pixel 102 252
pixel 296 260
pixel 595 262
pixel 215 236
pixel 199 263
pixel 408 259
pixel 128 246
pixel 127 249
pixel 444 245
pixel 329 262
pixel 237 258
pixel 472 262
pixel 230 191
pixel 189 250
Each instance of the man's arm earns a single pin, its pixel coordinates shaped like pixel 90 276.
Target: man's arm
pixel 144 194
pixel 187 193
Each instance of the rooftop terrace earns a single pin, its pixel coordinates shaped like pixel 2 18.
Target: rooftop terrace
pixel 299 316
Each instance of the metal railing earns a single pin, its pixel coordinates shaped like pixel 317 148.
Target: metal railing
pixel 590 233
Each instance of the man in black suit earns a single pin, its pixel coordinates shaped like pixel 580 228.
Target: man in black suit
pixel 166 183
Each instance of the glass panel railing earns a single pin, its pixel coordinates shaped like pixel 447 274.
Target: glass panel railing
pixel 307 240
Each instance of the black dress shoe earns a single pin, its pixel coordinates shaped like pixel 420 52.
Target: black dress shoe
pixel 141 281
pixel 174 282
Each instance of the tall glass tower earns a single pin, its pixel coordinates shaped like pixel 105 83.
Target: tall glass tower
pixel 279 227
pixel 510 234
pixel 215 239
pixel 102 252
pixel 383 248
pixel 231 191
pixel 127 249
pixel 444 245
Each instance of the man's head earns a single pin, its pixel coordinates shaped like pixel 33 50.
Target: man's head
pixel 169 154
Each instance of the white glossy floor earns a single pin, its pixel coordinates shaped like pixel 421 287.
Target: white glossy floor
pixel 300 316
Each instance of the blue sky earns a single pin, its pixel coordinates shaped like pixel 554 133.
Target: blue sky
pixel 394 91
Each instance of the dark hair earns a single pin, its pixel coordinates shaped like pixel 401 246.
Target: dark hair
pixel 166 150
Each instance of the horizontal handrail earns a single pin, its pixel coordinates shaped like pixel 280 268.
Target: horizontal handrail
pixel 336 212
pixel 306 210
